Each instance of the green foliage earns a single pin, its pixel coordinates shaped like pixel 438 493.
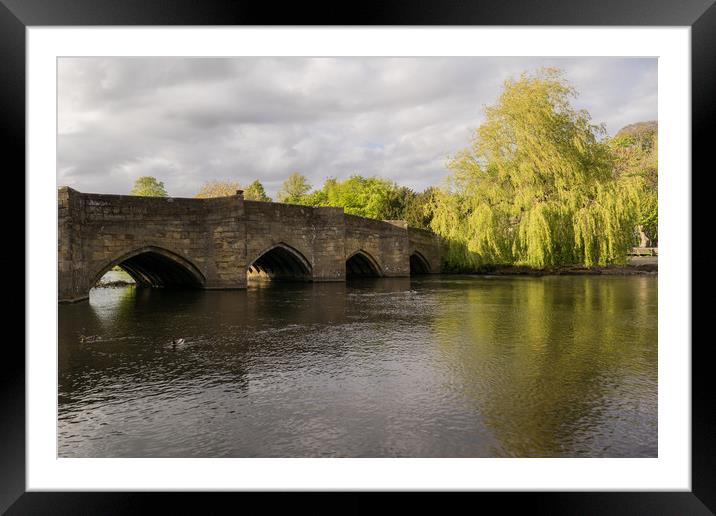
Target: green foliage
pixel 315 198
pixel 649 216
pixel 415 208
pixel 365 196
pixel 537 186
pixel 255 192
pixel 394 202
pixel 373 197
pixel 148 186
pixel 293 189
pixel 636 149
pixel 417 211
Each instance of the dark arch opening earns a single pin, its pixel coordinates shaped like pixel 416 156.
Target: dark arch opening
pixel 154 267
pixel 418 264
pixel 280 263
pixel 361 265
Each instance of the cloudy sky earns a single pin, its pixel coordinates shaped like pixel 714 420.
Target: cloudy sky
pixel 189 120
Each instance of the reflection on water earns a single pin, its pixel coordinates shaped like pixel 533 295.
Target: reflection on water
pixel 435 366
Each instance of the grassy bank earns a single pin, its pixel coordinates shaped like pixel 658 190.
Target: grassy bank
pixel 637 266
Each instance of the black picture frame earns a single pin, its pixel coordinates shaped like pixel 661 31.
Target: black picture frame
pixel 700 15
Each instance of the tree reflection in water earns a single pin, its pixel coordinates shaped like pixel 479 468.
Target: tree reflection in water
pixel 557 366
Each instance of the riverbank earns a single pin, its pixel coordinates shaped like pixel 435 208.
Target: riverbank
pixel 637 265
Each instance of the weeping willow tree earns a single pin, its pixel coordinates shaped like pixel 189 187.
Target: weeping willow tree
pixel 537 185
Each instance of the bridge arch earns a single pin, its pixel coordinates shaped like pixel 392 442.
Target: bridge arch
pixel 152 266
pixel 362 265
pixel 279 262
pixel 418 263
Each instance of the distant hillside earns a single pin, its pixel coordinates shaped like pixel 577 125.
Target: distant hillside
pixel 650 126
pixel 636 146
pixel 643 134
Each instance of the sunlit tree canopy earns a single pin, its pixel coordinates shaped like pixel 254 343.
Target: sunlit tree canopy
pixel 358 195
pixel 148 186
pixel 256 192
pixel 294 188
pixel 374 197
pixel 537 185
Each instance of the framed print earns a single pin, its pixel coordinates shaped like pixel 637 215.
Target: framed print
pixel 409 250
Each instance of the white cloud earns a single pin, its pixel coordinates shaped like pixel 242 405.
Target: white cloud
pixel 188 120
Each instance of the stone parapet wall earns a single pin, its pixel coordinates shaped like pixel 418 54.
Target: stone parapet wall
pixel 101 230
pixel 215 241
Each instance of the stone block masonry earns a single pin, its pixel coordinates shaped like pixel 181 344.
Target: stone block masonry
pixel 218 243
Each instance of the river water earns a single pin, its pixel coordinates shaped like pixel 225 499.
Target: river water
pixel 430 366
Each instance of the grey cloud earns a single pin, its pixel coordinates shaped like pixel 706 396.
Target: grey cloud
pixel 188 120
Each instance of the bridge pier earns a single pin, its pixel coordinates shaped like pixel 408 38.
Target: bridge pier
pixel 218 243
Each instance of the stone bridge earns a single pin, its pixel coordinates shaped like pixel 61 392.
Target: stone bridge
pixel 224 242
